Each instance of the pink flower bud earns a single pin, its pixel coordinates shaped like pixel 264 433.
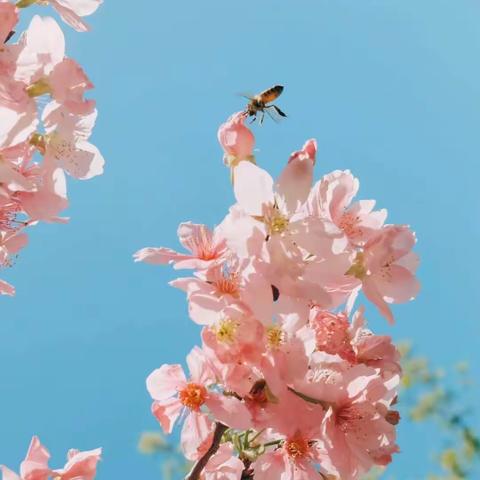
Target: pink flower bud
pixel 236 139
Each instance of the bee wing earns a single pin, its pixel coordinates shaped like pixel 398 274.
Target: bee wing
pixel 273 114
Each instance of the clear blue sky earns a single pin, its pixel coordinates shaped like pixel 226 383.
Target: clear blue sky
pixel 390 89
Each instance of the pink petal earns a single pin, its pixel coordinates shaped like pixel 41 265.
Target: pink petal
pixel 158 256
pixel 8 19
pixel 196 436
pixel 371 292
pixel 229 411
pixel 164 382
pixel 253 188
pixel 295 181
pixel 80 466
pixel 44 47
pixel 167 412
pixel 69 83
pixel 82 8
pixel 399 286
pixel 84 161
pixel 6 289
pixel 7 474
pixel 199 366
pixel 70 17
pixel 35 465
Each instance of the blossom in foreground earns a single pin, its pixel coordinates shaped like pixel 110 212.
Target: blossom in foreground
pixel 287 370
pixel 79 466
pixel 173 393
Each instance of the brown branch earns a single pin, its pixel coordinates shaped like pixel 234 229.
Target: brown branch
pixel 197 469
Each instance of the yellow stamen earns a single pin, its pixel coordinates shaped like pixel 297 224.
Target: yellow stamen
pixel 226 330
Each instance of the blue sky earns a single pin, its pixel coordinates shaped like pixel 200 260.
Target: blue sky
pixel 390 89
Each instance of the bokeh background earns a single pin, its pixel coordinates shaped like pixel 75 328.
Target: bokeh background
pixel 389 88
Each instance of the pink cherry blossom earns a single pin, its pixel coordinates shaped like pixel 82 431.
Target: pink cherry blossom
pixel 80 465
pixel 173 393
pixel 357 431
pixel 66 141
pixel 206 247
pixel 331 198
pixel 387 268
pixel 302 387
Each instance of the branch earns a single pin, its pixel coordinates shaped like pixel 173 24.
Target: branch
pixel 197 469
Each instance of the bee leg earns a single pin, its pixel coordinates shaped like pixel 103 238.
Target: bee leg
pixel 253 119
pixel 262 117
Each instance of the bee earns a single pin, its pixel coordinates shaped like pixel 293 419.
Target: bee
pixel 259 102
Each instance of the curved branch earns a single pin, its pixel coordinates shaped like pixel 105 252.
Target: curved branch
pixel 197 469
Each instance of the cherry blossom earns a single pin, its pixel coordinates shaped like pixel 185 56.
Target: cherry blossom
pixel 288 382
pixel 79 466
pixel 45 122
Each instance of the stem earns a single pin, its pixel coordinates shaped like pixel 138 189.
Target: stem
pixel 273 442
pixel 257 435
pixel 309 399
pixel 197 469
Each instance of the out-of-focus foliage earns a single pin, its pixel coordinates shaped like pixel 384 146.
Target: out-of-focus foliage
pixel 428 395
pixel 172 461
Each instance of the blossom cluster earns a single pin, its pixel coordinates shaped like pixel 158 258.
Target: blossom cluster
pixel 288 382
pixel 79 466
pixel 45 122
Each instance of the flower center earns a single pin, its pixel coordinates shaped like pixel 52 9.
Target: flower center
pixel 193 396
pixel 202 245
pixel 228 284
pixel 349 224
pixel 225 331
pixel 296 447
pixel 278 223
pixel 348 418
pixel 275 337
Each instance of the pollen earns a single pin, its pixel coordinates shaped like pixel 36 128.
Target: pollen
pixel 226 330
pixel 279 224
pixel 275 337
pixel 297 447
pixel 193 396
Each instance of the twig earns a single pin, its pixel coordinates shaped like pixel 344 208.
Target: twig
pixel 197 469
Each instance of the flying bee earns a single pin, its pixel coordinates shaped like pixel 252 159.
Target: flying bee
pixel 259 103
